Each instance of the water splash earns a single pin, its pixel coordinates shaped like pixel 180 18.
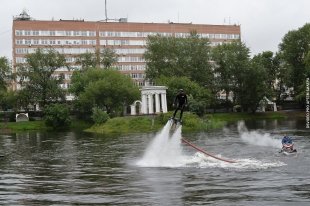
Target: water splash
pixel 164 151
pixel 202 161
pixel 257 138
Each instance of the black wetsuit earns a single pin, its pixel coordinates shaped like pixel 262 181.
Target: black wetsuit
pixel 181 101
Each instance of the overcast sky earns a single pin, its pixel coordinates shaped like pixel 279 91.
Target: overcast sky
pixel 263 22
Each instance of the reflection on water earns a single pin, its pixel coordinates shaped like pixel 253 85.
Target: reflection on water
pixel 84 169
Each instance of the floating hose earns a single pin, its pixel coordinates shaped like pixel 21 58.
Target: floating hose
pixel 206 153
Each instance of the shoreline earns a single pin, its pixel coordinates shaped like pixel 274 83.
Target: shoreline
pixel 147 124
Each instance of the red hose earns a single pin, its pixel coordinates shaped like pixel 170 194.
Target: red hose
pixel 206 153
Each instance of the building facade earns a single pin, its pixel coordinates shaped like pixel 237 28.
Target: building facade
pixel 127 39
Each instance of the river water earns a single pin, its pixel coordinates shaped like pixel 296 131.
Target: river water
pixel 83 169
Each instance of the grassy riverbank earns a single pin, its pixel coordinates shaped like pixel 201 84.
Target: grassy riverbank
pixel 191 122
pixel 145 124
pixel 8 127
pixel 23 126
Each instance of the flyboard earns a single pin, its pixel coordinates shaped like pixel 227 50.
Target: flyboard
pixel 176 122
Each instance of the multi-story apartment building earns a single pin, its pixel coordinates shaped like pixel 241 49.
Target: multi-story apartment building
pixel 128 40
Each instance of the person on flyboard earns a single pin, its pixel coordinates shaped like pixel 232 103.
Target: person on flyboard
pixel 180 102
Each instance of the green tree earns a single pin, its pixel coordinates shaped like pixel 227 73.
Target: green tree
pixel 7 99
pixel 254 84
pixel 57 116
pixel 198 96
pixel 108 58
pixel 230 63
pixel 171 56
pixel 23 100
pixel 87 60
pixel 36 76
pixel 104 58
pixel 271 63
pixel 107 89
pixel 5 71
pixel 99 116
pixel 294 50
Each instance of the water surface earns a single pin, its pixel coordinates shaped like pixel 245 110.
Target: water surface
pixel 83 169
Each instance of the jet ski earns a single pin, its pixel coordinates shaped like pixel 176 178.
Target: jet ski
pixel 287 146
pixel 288 149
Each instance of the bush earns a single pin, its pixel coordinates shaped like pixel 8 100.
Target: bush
pixel 99 116
pixel 57 116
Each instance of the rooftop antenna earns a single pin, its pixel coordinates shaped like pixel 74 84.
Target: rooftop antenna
pixel 106 15
pixel 106 11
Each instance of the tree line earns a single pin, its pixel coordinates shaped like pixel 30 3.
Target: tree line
pixel 190 63
pixel 98 88
pixel 229 69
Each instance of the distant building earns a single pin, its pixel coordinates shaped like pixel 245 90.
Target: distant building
pixel 74 37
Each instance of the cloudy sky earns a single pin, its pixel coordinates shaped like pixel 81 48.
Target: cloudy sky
pixel 263 22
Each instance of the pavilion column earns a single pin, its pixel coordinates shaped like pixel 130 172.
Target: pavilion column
pixel 151 109
pixel 144 104
pixel 157 103
pixel 133 109
pixel 275 107
pixel 164 103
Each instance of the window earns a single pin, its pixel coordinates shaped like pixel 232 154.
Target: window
pixel 137 76
pixel 224 36
pixel 18 32
pixel 60 33
pixel 21 51
pixel 84 42
pixel 76 33
pixel 19 41
pixel 45 33
pixel 27 33
pixel 27 41
pixel 92 33
pixel 44 42
pixel 20 60
pixel 52 33
pixel 84 33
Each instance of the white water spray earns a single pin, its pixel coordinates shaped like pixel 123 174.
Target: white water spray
pixel 256 138
pixel 164 151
